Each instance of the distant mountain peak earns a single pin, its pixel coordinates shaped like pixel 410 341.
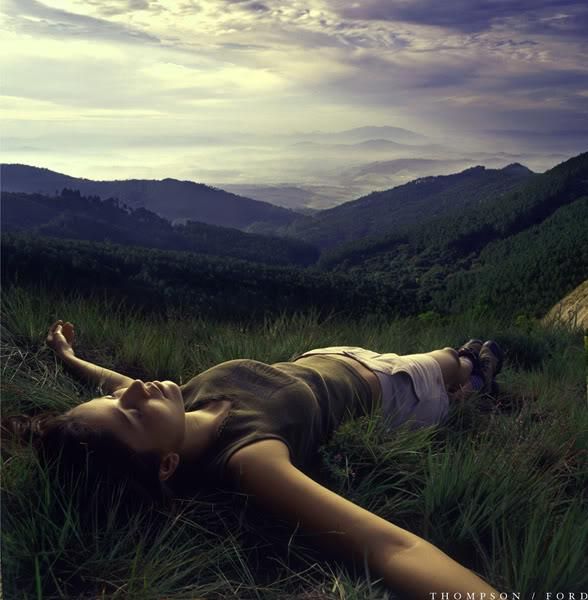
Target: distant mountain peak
pixel 430 178
pixel 517 168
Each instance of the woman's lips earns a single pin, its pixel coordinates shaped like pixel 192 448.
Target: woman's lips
pixel 159 386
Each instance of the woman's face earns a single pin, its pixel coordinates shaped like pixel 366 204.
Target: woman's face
pixel 145 416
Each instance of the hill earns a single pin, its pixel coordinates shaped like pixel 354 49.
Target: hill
pixel 169 198
pixel 73 216
pixel 417 202
pixel 361 134
pixel 491 254
pixel 532 268
pixel 519 251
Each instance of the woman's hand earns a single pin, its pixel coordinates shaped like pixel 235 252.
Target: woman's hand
pixel 61 337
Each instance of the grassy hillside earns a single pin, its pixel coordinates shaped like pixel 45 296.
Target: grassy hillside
pixel 465 486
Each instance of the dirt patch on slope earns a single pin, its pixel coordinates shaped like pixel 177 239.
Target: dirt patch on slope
pixel 572 311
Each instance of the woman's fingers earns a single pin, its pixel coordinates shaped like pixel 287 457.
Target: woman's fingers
pixel 68 332
pixel 61 337
pixel 59 326
pixel 60 323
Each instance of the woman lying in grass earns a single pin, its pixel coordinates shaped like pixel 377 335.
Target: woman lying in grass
pixel 256 427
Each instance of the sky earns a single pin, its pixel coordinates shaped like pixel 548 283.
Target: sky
pixel 249 93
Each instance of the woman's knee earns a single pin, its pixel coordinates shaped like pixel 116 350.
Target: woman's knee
pixel 449 356
pixel 448 360
pixel 453 353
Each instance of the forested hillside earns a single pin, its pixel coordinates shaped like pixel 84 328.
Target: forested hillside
pixel 533 267
pixel 221 288
pixel 169 198
pixel 423 258
pixel 414 203
pixel 72 216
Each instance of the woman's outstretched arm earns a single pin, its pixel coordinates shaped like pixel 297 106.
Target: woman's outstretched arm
pixel 406 562
pixel 60 338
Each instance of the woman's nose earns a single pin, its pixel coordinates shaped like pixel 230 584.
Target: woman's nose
pixel 136 392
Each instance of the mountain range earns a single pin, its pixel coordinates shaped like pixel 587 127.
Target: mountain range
pixel 417 202
pixel 374 214
pixel 169 198
pixel 70 215
pixel 503 238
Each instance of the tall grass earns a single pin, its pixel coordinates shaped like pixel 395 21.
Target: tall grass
pixel 501 487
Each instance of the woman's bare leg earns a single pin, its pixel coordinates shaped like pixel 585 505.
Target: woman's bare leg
pixel 456 372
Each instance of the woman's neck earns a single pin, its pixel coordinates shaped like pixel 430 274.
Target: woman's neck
pixel 201 429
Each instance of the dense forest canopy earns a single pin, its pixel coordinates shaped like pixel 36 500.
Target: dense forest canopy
pixel 157 279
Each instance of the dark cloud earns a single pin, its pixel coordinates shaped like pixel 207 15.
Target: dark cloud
pixel 120 7
pixel 189 7
pixel 375 80
pixel 250 5
pixel 137 4
pixel 471 15
pixel 235 46
pixel 469 93
pixel 568 141
pixel 581 133
pixel 257 7
pixel 541 129
pixel 556 82
pixel 574 23
pixel 55 22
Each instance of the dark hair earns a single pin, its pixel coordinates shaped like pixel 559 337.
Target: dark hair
pixel 89 462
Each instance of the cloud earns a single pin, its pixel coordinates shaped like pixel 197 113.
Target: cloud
pixel 110 8
pixel 470 16
pixel 189 72
pixel 249 5
pixel 257 7
pixel 235 46
pixel 188 7
pixel 34 17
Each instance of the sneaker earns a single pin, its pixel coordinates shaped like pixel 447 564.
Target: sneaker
pixel 491 357
pixel 471 350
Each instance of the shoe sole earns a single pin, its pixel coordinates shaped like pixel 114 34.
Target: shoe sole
pixel 469 343
pixel 471 353
pixel 497 352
